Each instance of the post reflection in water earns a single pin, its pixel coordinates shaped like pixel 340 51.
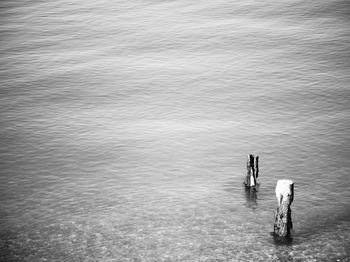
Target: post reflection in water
pixel 251 197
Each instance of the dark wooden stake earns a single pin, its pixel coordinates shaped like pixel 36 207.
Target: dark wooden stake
pixel 252 171
pixel 283 215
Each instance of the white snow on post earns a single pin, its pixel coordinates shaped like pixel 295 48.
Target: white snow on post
pixel 252 183
pixel 283 189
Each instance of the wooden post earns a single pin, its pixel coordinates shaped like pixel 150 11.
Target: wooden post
pixel 252 171
pixel 283 216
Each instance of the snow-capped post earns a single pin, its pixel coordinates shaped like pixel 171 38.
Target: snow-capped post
pixel 252 171
pixel 283 215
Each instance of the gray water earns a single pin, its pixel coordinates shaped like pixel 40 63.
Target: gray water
pixel 125 128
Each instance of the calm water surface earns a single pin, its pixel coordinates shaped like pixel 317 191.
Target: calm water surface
pixel 125 128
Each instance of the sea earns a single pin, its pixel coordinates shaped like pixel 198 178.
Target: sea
pixel 125 128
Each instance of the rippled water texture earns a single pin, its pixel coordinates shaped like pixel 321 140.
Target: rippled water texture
pixel 125 127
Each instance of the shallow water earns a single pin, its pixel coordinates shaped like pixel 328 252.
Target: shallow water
pixel 125 128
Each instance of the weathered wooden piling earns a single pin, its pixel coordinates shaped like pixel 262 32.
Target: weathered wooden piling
pixel 252 171
pixel 283 215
